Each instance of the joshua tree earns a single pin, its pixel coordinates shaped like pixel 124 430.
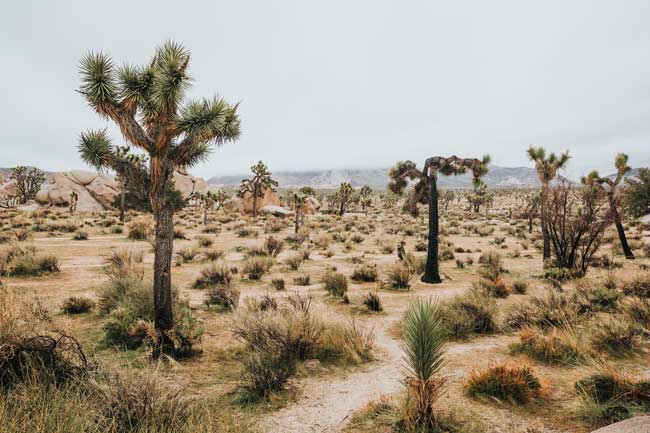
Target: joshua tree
pixel 28 182
pixel 532 204
pixel 74 197
pixel 447 197
pixel 307 190
pixel 610 187
pixel 209 200
pixel 546 168
pixel 297 200
pixel 427 181
pixel 344 196
pixel 365 197
pixel 258 184
pixel 148 104
pixel 424 347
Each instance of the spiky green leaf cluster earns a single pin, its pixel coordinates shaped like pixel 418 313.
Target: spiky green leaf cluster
pixel 424 339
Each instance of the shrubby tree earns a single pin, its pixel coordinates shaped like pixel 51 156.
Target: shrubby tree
pixel 576 222
pixel 343 197
pixel 531 209
pixel 297 200
pixel 365 197
pixel 546 168
pixel 427 181
pixel 307 190
pixel 28 182
pixel 447 197
pixel 258 184
pixel 610 188
pixel 148 104
pixel 637 194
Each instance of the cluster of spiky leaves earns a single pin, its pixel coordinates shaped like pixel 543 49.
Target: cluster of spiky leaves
pixel 547 166
pixel 148 104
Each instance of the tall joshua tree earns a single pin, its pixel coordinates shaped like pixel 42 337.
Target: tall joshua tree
pixel 427 181
pixel 210 199
pixel 297 200
pixel 258 184
pixel 344 196
pixel 546 167
pixel 610 187
pixel 148 105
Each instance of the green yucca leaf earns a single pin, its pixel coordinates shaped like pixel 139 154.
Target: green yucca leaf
pixel 96 149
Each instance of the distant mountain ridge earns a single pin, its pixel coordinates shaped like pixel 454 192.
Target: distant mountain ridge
pixel 497 177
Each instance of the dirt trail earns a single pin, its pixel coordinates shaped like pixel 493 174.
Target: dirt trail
pixel 326 404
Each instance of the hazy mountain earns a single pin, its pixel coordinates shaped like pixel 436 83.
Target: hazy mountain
pixel 497 177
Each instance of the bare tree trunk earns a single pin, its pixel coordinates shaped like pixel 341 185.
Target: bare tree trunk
pixel 297 222
pixel 163 248
pixel 431 273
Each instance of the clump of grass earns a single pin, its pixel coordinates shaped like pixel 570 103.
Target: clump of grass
pixel 335 283
pixel 415 264
pixel 556 346
pixel 597 298
pixel 179 233
pixel 365 273
pixel 638 286
pixel 273 246
pixel 302 280
pixel 373 302
pixel 278 283
pixel 186 255
pixel 520 287
pixel 294 262
pixel 225 296
pixel 22 261
pixel 505 381
pixel 256 267
pixel 204 241
pixel 617 337
pixel 213 255
pixel 77 305
pixel 398 277
pixel 550 310
pixel 140 229
pixel 469 314
pixel 608 396
pixel 212 275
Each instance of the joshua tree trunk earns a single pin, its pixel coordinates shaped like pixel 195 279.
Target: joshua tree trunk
pixel 297 222
pixel 431 274
pixel 205 216
pixel 122 200
pixel 619 228
pixel 545 234
pixel 341 209
pixel 164 219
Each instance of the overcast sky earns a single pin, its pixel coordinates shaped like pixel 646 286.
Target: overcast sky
pixel 350 84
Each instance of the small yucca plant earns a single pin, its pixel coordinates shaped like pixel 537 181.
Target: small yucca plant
pixel 424 346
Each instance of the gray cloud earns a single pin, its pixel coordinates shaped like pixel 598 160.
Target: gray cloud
pixel 350 83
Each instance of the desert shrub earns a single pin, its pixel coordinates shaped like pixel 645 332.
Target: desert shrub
pixel 294 261
pixel 213 255
pixel 555 346
pixel 365 273
pixel 302 280
pixel 335 283
pixel 638 310
pixel 212 275
pixel 30 265
pixel 596 298
pixel 520 287
pixel 609 396
pixel 186 255
pixel 30 350
pixel 212 229
pixel 204 241
pixel 278 283
pixel 638 286
pixel 445 254
pixel 322 241
pixel 491 265
pixel 415 264
pixel 386 247
pixel 256 267
pixel 124 266
pixel 80 235
pixel 224 295
pixel 468 314
pixel 496 289
pixel 77 305
pixel 117 230
pixel 617 337
pixel 420 246
pixel 141 402
pixel 373 302
pixel 551 310
pixel 273 247
pixel 398 277
pixel 345 343
pixel 357 238
pixel 140 229
pixel 246 232
pixel 511 382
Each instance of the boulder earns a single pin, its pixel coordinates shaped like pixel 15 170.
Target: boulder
pixel 311 206
pixel 275 210
pixel 640 424
pixel 269 198
pixel 97 192
pixel 645 219
pixel 234 204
